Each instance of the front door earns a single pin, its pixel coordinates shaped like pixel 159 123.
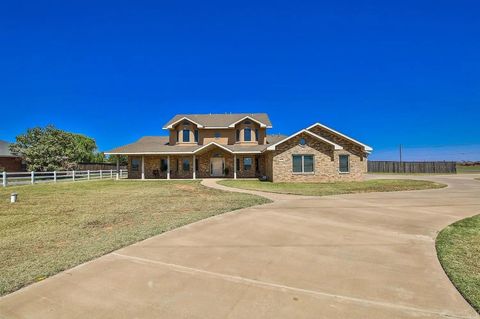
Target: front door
pixel 216 166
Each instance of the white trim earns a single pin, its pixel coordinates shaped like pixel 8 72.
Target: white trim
pixel 182 119
pixel 249 117
pixel 273 146
pixel 213 143
pixel 366 147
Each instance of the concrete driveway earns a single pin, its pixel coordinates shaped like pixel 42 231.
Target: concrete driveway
pixel 350 256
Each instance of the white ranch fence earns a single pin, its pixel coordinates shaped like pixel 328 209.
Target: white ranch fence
pixel 23 178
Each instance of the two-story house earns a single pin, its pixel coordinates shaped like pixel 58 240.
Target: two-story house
pixel 238 146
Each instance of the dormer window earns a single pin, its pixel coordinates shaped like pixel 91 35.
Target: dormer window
pixel 186 136
pixel 237 136
pixel 256 134
pixel 217 135
pixel 247 134
pixel 195 136
pixel 302 142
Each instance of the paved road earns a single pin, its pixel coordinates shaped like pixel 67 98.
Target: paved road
pixel 350 256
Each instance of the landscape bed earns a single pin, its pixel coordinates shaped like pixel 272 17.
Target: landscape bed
pixel 54 227
pixel 458 249
pixel 335 188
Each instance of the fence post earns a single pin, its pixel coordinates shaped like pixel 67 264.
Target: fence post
pixel 88 174
pixel 73 176
pixel 111 173
pixel 32 177
pixel 4 179
pixel 54 176
pixel 101 174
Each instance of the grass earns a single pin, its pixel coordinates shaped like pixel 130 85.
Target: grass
pixel 323 189
pixel 463 169
pixel 54 227
pixel 458 249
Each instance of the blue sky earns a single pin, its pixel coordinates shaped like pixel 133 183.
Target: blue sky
pixel 384 72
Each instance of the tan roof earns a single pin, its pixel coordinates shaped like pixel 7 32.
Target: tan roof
pixel 219 120
pixel 159 145
pixel 5 150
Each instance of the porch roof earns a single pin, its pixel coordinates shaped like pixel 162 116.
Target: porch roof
pixel 151 145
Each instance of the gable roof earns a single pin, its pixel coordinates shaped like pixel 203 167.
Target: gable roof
pixel 366 147
pixel 5 150
pixel 273 146
pixel 226 120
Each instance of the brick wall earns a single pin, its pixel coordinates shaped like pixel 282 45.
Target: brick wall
pixel 326 162
pixel 11 164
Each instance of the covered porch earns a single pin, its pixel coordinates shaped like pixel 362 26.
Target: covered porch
pixel 212 161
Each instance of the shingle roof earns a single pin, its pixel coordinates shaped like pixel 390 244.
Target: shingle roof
pixel 4 149
pixel 220 120
pixel 159 144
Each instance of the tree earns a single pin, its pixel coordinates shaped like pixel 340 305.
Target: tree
pixel 48 149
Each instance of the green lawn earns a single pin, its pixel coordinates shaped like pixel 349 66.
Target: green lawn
pixel 458 249
pixel 57 226
pixel 463 169
pixel 322 189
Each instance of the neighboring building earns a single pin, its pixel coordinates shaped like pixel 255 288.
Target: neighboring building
pixel 8 161
pixel 238 146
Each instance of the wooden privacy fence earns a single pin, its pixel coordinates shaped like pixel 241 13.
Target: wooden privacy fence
pixel 412 167
pixel 98 166
pixel 22 178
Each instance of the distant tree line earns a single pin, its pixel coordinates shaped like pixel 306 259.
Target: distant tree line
pixel 49 148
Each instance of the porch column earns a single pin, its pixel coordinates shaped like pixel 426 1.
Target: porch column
pixel 194 168
pixel 143 167
pixel 118 164
pixel 168 167
pixel 235 166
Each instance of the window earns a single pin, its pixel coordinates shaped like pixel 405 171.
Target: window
pixel 238 164
pixel 186 165
pixel 247 122
pixel 237 137
pixel 185 122
pixel 196 165
pixel 247 163
pixel 163 165
pixel 135 165
pixel 256 134
pixel 186 135
pixel 303 164
pixel 217 135
pixel 344 165
pixel 247 134
pixel 302 142
pixel 195 134
pixel 178 133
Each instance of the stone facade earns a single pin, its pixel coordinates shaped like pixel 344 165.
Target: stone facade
pixel 154 169
pixel 276 165
pixel 325 158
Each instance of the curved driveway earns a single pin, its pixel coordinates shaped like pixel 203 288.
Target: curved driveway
pixel 348 256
